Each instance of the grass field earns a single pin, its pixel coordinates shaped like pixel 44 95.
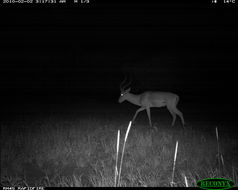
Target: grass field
pixel 80 150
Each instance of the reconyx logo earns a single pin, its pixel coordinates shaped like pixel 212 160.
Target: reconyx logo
pixel 215 183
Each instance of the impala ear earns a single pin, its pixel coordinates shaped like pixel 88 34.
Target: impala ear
pixel 128 90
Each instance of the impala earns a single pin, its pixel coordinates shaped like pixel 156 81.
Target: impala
pixel 151 99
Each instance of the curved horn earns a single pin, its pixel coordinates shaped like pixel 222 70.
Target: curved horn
pixel 127 85
pixel 121 85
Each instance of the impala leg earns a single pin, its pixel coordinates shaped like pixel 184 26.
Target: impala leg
pixel 173 115
pixel 148 113
pixel 179 113
pixel 139 110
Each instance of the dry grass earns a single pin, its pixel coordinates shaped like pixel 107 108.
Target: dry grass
pixel 82 152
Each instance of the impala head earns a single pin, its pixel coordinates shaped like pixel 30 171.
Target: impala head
pixel 124 93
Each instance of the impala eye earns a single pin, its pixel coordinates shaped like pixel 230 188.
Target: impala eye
pixel 121 94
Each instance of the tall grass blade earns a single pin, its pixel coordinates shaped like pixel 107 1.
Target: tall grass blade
pixel 117 153
pixel 123 149
pixel 218 151
pixel 186 181
pixel 175 156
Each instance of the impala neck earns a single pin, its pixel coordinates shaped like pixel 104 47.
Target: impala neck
pixel 134 99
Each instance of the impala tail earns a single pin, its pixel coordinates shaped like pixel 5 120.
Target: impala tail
pixel 177 99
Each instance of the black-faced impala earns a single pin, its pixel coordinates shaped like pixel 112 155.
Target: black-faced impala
pixel 151 99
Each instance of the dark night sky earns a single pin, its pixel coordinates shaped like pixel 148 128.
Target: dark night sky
pixel 85 51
